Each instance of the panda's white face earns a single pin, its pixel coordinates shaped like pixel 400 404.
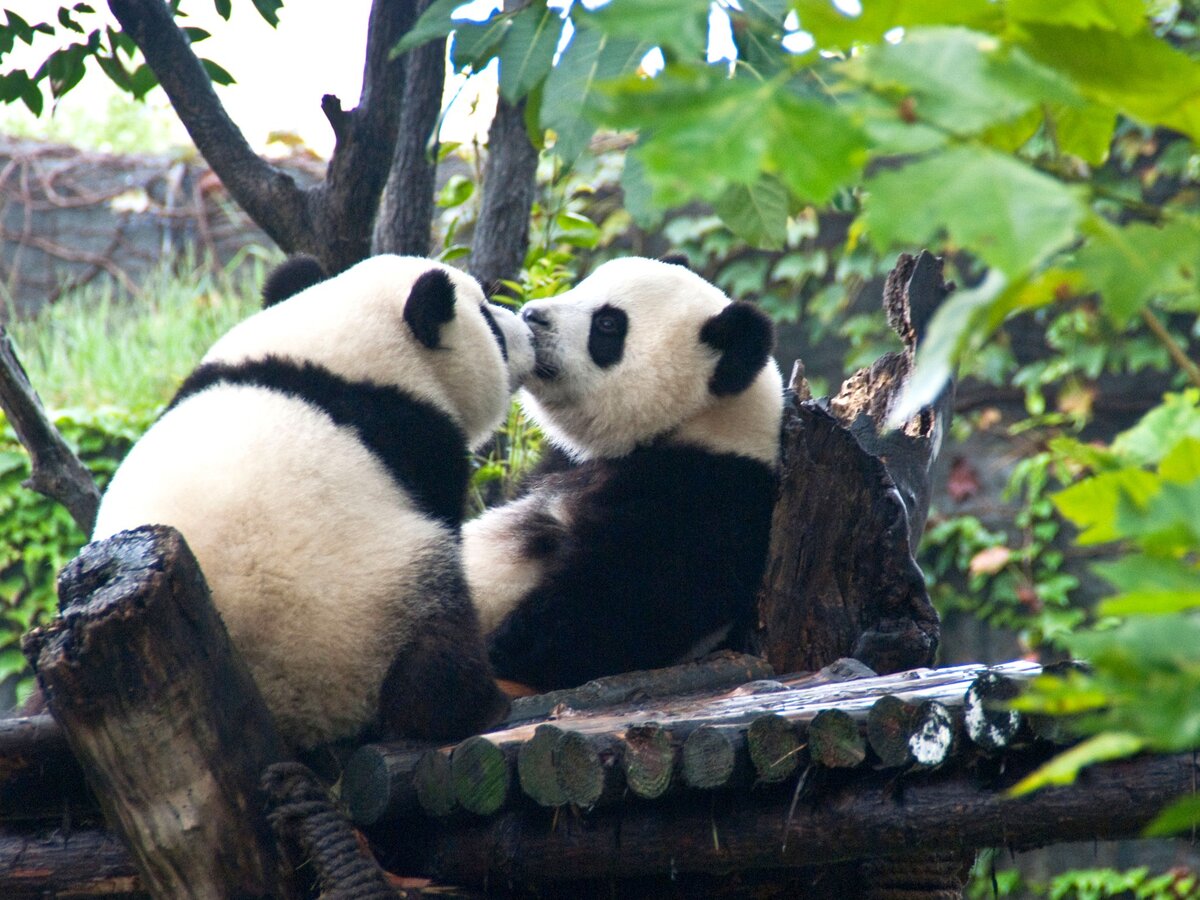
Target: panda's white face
pixel 399 321
pixel 643 349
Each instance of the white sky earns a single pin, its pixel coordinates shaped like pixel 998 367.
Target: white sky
pixel 281 73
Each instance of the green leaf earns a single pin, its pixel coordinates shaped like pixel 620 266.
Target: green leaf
pixel 1092 504
pixel 576 230
pixel 757 213
pixel 195 35
pixel 1063 768
pixel 638 194
pixel 1182 815
pixel 1155 84
pixel 435 22
pixel 677 25
pixel 116 72
pixel 475 43
pixel 216 73
pixel 269 10
pixel 1151 439
pixel 834 29
pixel 814 147
pixel 1012 216
pixel 592 57
pixel 1149 585
pixel 1126 17
pixel 528 50
pixel 1126 265
pixel 223 8
pixel 455 192
pixel 961 80
pixel 1085 130
pixel 142 81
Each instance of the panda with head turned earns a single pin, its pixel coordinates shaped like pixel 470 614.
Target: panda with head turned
pixel 647 549
pixel 316 462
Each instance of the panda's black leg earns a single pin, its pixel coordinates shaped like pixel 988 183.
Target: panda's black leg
pixel 440 686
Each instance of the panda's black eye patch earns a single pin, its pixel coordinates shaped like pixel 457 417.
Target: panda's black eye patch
pixel 606 340
pixel 491 320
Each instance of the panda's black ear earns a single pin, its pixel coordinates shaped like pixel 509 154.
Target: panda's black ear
pixel 745 336
pixel 290 277
pixel 430 306
pixel 676 259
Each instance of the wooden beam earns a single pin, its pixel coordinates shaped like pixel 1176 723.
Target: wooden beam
pixel 875 816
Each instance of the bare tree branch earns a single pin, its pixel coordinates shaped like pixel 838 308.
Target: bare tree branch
pixel 269 195
pixel 57 472
pixel 406 213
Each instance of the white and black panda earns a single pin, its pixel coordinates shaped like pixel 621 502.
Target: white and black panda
pixel 650 546
pixel 317 464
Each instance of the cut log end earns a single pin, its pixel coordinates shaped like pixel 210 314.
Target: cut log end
pixel 648 760
pixel 480 776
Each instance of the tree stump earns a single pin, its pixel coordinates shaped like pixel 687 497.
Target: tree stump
pixel 164 717
pixel 841 579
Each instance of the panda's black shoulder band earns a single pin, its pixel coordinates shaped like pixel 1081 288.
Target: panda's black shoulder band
pixel 423 450
pixel 290 277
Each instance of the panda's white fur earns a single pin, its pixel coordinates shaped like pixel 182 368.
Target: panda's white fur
pixel 662 394
pixel 330 543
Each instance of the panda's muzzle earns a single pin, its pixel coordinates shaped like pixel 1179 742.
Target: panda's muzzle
pixel 540 329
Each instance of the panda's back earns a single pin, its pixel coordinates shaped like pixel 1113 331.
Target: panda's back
pixel 300 530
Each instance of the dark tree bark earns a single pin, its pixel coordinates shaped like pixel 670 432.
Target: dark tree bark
pixel 332 221
pixel 841 576
pixel 406 211
pixel 164 716
pixel 56 472
pixel 502 233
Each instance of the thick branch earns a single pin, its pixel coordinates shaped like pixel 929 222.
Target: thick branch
pixel 406 211
pixel 270 196
pixel 57 472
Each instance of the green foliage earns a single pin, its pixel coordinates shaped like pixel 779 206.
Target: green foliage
pixel 37 536
pixel 107 362
pixel 1015 584
pixel 1144 676
pixel 987 883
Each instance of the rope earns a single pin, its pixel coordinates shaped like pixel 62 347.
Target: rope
pixel 301 812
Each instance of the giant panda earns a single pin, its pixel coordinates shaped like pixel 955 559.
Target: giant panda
pixel 317 464
pixel 648 547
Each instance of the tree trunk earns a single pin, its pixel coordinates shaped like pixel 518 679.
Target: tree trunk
pixel 502 232
pixel 406 211
pixel 164 717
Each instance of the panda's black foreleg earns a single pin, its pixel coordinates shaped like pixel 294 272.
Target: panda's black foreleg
pixel 440 685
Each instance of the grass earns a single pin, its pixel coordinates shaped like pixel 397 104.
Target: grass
pixel 99 346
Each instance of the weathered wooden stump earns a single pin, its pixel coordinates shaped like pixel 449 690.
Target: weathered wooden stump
pixel 164 717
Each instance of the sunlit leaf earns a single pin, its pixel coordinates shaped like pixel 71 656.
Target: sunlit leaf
pixel 1064 768
pixel 834 29
pixel 1180 816
pixel 1126 265
pixel 1092 504
pixel 1152 438
pixel 528 50
pixel 961 80
pixel 591 57
pixel 757 213
pixel 1154 83
pixel 814 147
pixel 1125 17
pixel 681 25
pixel 1149 585
pixel 435 22
pixel 216 73
pixel 1010 215
pixel 475 43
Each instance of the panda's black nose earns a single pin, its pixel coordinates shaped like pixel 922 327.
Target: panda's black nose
pixel 535 317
